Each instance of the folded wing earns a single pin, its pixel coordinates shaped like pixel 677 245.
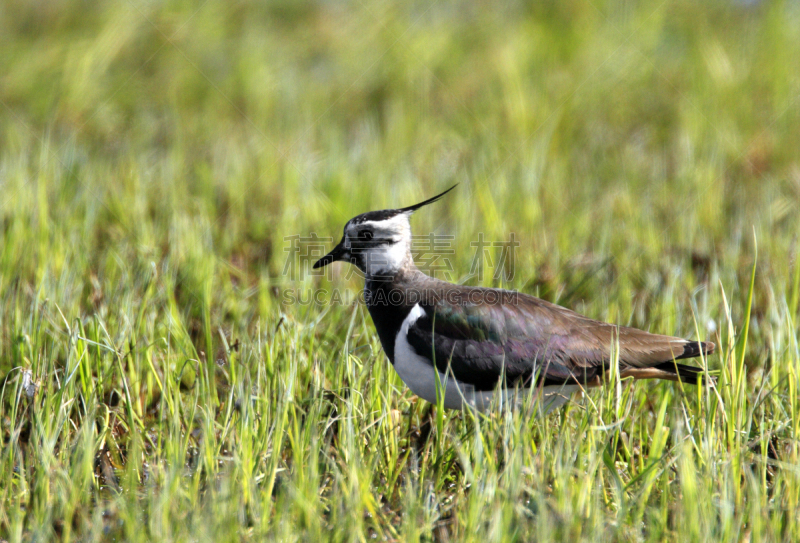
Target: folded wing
pixel 522 338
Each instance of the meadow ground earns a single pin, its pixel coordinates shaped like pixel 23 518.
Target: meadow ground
pixel 165 376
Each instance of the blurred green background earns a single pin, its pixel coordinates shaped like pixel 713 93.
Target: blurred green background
pixel 156 156
pixel 664 119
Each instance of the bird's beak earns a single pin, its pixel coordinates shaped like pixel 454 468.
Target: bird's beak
pixel 338 253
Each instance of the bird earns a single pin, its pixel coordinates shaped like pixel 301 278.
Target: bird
pixel 480 347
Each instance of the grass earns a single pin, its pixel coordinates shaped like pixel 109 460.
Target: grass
pixel 158 383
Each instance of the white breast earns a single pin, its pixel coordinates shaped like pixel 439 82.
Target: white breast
pixel 419 375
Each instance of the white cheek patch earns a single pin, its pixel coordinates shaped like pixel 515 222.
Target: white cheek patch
pixel 387 258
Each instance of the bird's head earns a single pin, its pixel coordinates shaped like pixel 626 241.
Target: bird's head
pixel 378 242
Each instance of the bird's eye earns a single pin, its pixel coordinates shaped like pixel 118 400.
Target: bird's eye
pixel 366 234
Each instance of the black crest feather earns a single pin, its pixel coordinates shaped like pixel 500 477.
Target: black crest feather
pixel 412 209
pixel 384 214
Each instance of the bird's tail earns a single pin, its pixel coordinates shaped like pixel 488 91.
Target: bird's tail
pixel 672 371
pixel 693 349
pixel 681 372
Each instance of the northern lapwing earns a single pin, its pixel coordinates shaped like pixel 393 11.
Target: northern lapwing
pixel 468 343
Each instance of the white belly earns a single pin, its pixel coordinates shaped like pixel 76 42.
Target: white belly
pixel 421 377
